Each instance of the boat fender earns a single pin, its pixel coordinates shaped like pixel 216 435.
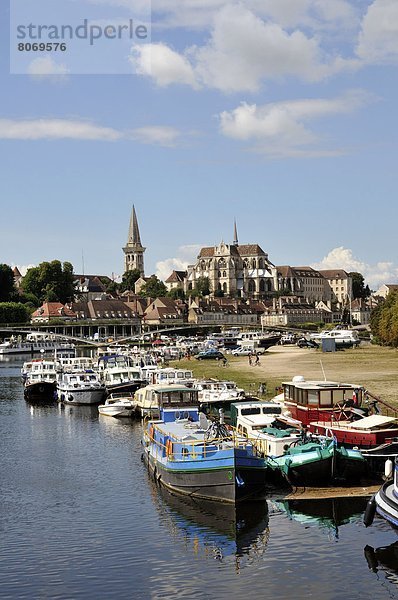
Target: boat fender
pixel 151 433
pixel 370 512
pixel 388 467
pixel 169 449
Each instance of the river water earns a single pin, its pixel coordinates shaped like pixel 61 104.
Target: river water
pixel 81 518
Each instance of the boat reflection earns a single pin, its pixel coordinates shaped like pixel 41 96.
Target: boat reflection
pixel 80 411
pixel 329 513
pixel 214 530
pixel 383 560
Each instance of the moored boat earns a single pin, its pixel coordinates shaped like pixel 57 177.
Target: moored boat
pixel 118 405
pixel 80 387
pixel 40 381
pixel 149 399
pixel 386 499
pixel 190 457
pixel 290 451
pixel 341 410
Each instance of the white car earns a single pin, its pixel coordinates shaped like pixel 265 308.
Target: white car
pixel 246 351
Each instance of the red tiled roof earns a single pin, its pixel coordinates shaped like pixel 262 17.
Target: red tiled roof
pixel 54 309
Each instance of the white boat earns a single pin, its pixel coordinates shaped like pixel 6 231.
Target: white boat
pixel 119 374
pixel 258 339
pixel 213 391
pixel 80 387
pixel 170 375
pixel 149 399
pixel 385 502
pixel 40 378
pixel 118 405
pixel 342 337
pixel 34 342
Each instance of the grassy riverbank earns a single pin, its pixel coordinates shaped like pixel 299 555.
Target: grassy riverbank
pixel 373 367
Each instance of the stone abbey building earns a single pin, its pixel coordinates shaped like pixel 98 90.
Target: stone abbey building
pixel 237 270
pixel 245 271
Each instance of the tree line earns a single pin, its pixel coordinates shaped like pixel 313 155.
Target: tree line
pixel 384 321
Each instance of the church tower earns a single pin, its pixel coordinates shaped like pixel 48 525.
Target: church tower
pixel 235 242
pixel 134 250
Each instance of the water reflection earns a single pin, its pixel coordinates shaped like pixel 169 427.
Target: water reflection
pixel 383 561
pixel 213 530
pixel 329 513
pixel 89 412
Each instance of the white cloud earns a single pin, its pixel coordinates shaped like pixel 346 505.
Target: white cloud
pixel 158 135
pixel 185 255
pixel 47 68
pixel 378 40
pixel 375 274
pixel 56 129
pixel 243 50
pixel 162 64
pixel 281 128
pixel 35 129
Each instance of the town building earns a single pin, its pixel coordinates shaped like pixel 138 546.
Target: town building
pixel 53 311
pixel 212 312
pixel 134 250
pixel 386 289
pixel 165 311
pixel 301 281
pixel 234 270
pixel 291 310
pixel 338 286
pixel 176 280
pixel 91 287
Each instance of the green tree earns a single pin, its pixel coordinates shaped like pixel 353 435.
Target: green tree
pixel 359 289
pixel 14 312
pixel 154 288
pixel 176 293
pixel 50 282
pixel 7 289
pixel 129 279
pixel 384 321
pixel 203 286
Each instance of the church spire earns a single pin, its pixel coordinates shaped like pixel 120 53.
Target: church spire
pixel 235 242
pixel 134 232
pixel 134 250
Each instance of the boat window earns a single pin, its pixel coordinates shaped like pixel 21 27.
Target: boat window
pixel 326 398
pixel 250 411
pixel 338 396
pixel 313 397
pixel 272 410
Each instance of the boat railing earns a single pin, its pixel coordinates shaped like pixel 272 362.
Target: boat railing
pixel 389 410
pixel 193 449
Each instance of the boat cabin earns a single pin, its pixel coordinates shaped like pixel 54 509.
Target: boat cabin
pixel 310 401
pixel 152 398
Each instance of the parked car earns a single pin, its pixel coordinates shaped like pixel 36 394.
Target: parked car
pixel 242 351
pixel 210 354
pixel 304 343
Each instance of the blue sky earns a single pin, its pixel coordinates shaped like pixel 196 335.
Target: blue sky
pixel 279 113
